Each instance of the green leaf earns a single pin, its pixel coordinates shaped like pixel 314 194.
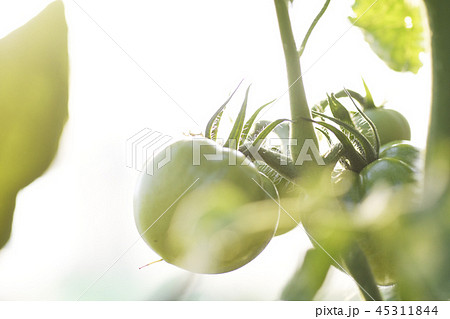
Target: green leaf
pixel 308 279
pixel 213 125
pixel 248 125
pixel 34 71
pixel 394 30
pixel 235 135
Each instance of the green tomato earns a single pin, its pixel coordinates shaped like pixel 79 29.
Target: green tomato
pixel 390 124
pixel 402 151
pixel 393 173
pixel 208 210
pixel 388 171
pixel 347 187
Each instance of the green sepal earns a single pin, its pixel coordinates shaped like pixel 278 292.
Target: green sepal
pixel 371 124
pixel 235 134
pixel 356 160
pixel 322 106
pixel 248 125
pixel 213 125
pixel 339 111
pixel 367 147
pixel 327 136
pixel 369 104
pixel 267 130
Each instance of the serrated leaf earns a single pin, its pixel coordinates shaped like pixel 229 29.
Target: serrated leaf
pixel 235 134
pixel 394 31
pixel 34 70
pixel 213 125
pixel 308 279
pixel 248 125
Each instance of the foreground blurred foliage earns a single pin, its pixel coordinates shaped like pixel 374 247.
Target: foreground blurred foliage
pixel 34 71
pixel 407 237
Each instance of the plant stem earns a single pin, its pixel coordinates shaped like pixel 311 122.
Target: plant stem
pixel 439 132
pixel 359 269
pixel 301 130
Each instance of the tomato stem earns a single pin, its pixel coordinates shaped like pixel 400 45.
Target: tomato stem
pixel 301 130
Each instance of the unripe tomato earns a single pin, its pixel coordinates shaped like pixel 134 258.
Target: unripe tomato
pixel 402 151
pixel 393 169
pixel 388 171
pixel 289 215
pixel 205 210
pixel 390 124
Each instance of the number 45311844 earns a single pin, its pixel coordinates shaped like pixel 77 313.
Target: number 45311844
pixel 406 310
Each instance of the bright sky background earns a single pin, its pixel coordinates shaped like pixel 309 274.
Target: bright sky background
pixel 74 222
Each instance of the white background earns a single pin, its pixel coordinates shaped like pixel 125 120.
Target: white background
pixel 72 224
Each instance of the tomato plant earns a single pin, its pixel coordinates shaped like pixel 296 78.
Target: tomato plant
pixel 367 202
pixel 367 152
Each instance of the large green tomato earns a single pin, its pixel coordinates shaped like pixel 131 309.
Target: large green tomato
pixel 205 210
pixel 390 124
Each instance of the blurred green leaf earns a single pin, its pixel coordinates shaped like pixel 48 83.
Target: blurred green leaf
pixel 34 71
pixel 394 31
pixel 308 279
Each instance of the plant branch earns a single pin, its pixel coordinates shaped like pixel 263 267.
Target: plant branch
pixel 311 28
